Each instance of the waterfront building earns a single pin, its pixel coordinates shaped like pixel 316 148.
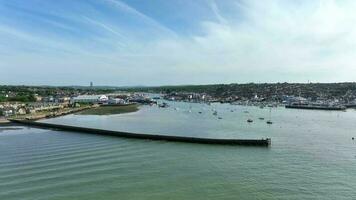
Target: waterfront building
pixel 117 101
pixel 90 99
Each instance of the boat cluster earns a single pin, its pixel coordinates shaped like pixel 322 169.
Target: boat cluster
pixel 261 118
pixel 214 112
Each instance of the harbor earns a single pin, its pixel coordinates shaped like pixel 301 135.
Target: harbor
pixel 313 146
pixel 177 100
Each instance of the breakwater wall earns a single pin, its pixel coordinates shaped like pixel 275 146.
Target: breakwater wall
pixel 246 142
pixel 315 107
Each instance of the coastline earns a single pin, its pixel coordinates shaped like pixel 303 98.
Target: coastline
pixel 110 109
pixel 47 115
pixel 5 122
pixel 91 110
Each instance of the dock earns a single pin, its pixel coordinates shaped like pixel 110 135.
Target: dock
pixel 311 107
pixel 246 142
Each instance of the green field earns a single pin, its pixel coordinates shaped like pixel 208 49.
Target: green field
pixel 110 110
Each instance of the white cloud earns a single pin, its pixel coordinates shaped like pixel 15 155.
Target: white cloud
pixel 267 41
pixel 274 42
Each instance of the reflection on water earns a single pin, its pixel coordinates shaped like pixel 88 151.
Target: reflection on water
pixel 9 128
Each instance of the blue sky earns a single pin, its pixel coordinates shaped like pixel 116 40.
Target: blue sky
pixel 165 42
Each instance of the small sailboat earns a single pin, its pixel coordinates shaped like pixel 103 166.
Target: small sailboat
pixel 249 120
pixel 269 122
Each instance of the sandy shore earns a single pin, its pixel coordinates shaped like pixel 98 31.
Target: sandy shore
pixel 3 120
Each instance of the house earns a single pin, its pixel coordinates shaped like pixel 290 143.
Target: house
pixel 21 111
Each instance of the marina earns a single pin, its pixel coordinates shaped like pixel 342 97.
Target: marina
pixel 309 149
pixel 177 100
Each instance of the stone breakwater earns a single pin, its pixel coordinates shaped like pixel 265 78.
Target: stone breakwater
pixel 246 142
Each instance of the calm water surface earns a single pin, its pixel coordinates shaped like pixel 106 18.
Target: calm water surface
pixel 312 156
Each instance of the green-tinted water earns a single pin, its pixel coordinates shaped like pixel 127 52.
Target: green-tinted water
pixel 312 157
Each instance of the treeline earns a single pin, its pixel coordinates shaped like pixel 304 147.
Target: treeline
pixel 28 93
pixel 18 98
pixel 346 91
pixel 267 90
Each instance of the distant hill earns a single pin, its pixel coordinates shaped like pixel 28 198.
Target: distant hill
pixel 345 90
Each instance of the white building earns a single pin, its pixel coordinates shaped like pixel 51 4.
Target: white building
pixel 117 101
pixel 90 99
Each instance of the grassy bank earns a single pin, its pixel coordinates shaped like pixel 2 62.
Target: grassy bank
pixel 110 110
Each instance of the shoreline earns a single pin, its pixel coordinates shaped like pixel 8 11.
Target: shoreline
pixel 49 115
pixel 4 122
pixel 111 109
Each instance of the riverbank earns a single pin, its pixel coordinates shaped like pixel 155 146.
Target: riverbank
pixel 84 110
pixel 4 122
pixel 110 110
pixel 52 114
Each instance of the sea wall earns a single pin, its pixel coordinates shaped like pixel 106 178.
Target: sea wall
pixel 315 107
pixel 247 142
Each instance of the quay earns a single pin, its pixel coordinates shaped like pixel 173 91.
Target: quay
pixel 310 107
pixel 350 105
pixel 246 142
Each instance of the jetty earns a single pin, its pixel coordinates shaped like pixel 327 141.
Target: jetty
pixel 317 107
pixel 246 142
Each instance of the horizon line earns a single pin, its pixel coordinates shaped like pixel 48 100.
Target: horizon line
pixel 175 85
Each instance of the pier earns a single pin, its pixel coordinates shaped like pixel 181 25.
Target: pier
pixel 311 107
pixel 246 142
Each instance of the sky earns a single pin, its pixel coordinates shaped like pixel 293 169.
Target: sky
pixel 172 42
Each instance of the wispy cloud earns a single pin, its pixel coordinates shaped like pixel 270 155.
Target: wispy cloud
pixel 124 7
pixel 276 41
pixel 216 11
pixel 112 42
